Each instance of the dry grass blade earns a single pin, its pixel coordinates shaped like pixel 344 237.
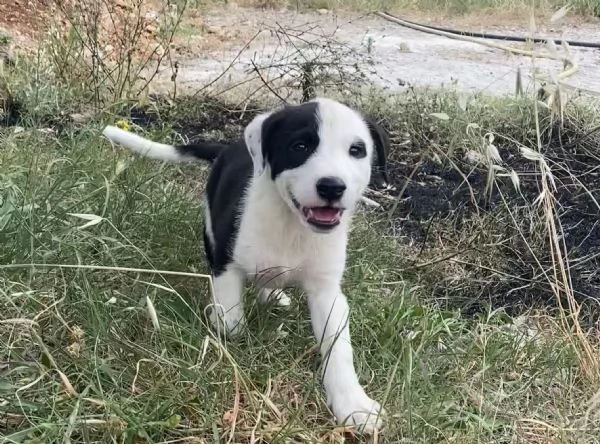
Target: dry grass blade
pixel 562 284
pixel 152 313
pixel 106 268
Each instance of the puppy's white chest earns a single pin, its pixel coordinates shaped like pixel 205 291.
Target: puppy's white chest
pixel 271 256
pixel 275 248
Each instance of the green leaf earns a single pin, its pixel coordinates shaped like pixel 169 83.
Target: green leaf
pixel 441 116
pixel 173 421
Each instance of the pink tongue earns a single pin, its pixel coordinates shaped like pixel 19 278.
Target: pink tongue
pixel 324 214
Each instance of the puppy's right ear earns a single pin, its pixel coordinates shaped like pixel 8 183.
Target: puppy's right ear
pixel 253 139
pixel 379 177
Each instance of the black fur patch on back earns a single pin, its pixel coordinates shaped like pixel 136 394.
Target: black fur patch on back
pixel 228 179
pixel 208 151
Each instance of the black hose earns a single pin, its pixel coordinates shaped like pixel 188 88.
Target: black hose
pixel 595 45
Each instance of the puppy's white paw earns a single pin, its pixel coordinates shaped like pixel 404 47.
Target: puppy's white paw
pixel 355 408
pixel 228 323
pixel 278 297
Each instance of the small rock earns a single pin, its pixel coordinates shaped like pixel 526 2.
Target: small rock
pixel 151 29
pixel 123 5
pixel 81 118
pixel 323 11
pixel 47 131
pixel 403 47
pixel 473 157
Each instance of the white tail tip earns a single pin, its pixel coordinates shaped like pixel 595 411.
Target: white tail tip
pixel 141 145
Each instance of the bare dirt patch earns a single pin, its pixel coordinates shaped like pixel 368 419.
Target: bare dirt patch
pixel 392 55
pixel 22 20
pixel 209 41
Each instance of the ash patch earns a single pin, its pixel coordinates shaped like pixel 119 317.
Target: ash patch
pixel 497 247
pixel 196 118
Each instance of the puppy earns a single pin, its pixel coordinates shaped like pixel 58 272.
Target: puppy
pixel 278 210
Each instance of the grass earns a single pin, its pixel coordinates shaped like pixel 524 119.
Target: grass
pixel 82 361
pixel 5 39
pixel 457 321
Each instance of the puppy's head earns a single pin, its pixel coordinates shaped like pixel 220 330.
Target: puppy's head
pixel 319 156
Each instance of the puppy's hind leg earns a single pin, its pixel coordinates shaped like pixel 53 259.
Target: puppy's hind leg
pixel 275 296
pixel 226 311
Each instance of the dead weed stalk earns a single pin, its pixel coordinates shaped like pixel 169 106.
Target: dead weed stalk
pixel 112 49
pixel 559 276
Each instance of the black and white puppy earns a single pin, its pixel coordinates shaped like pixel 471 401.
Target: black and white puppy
pixel 278 211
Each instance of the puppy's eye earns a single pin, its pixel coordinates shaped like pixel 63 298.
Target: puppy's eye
pixel 358 150
pixel 301 147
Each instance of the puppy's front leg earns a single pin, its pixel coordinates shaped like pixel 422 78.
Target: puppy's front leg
pixel 350 404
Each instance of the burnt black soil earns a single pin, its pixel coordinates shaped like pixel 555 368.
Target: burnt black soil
pixel 195 118
pixel 508 254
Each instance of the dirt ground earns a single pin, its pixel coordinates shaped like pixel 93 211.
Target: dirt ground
pixel 235 40
pixel 390 55
pixel 394 56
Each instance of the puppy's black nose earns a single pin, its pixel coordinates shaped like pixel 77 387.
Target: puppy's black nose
pixel 330 188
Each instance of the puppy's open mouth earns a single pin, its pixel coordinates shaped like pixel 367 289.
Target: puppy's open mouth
pixel 325 217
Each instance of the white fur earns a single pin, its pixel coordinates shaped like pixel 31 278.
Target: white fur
pixel 208 224
pixel 140 145
pixel 339 128
pixel 289 253
pixel 253 139
pixel 279 297
pixel 285 250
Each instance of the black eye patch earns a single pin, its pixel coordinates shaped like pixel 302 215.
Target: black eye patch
pixel 304 143
pixel 290 138
pixel 358 150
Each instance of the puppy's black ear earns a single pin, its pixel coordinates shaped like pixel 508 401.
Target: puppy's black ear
pixel 379 177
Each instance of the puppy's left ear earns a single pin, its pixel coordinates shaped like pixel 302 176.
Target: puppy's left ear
pixel 379 177
pixel 253 139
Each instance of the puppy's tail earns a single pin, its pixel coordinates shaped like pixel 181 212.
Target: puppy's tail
pixel 161 151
